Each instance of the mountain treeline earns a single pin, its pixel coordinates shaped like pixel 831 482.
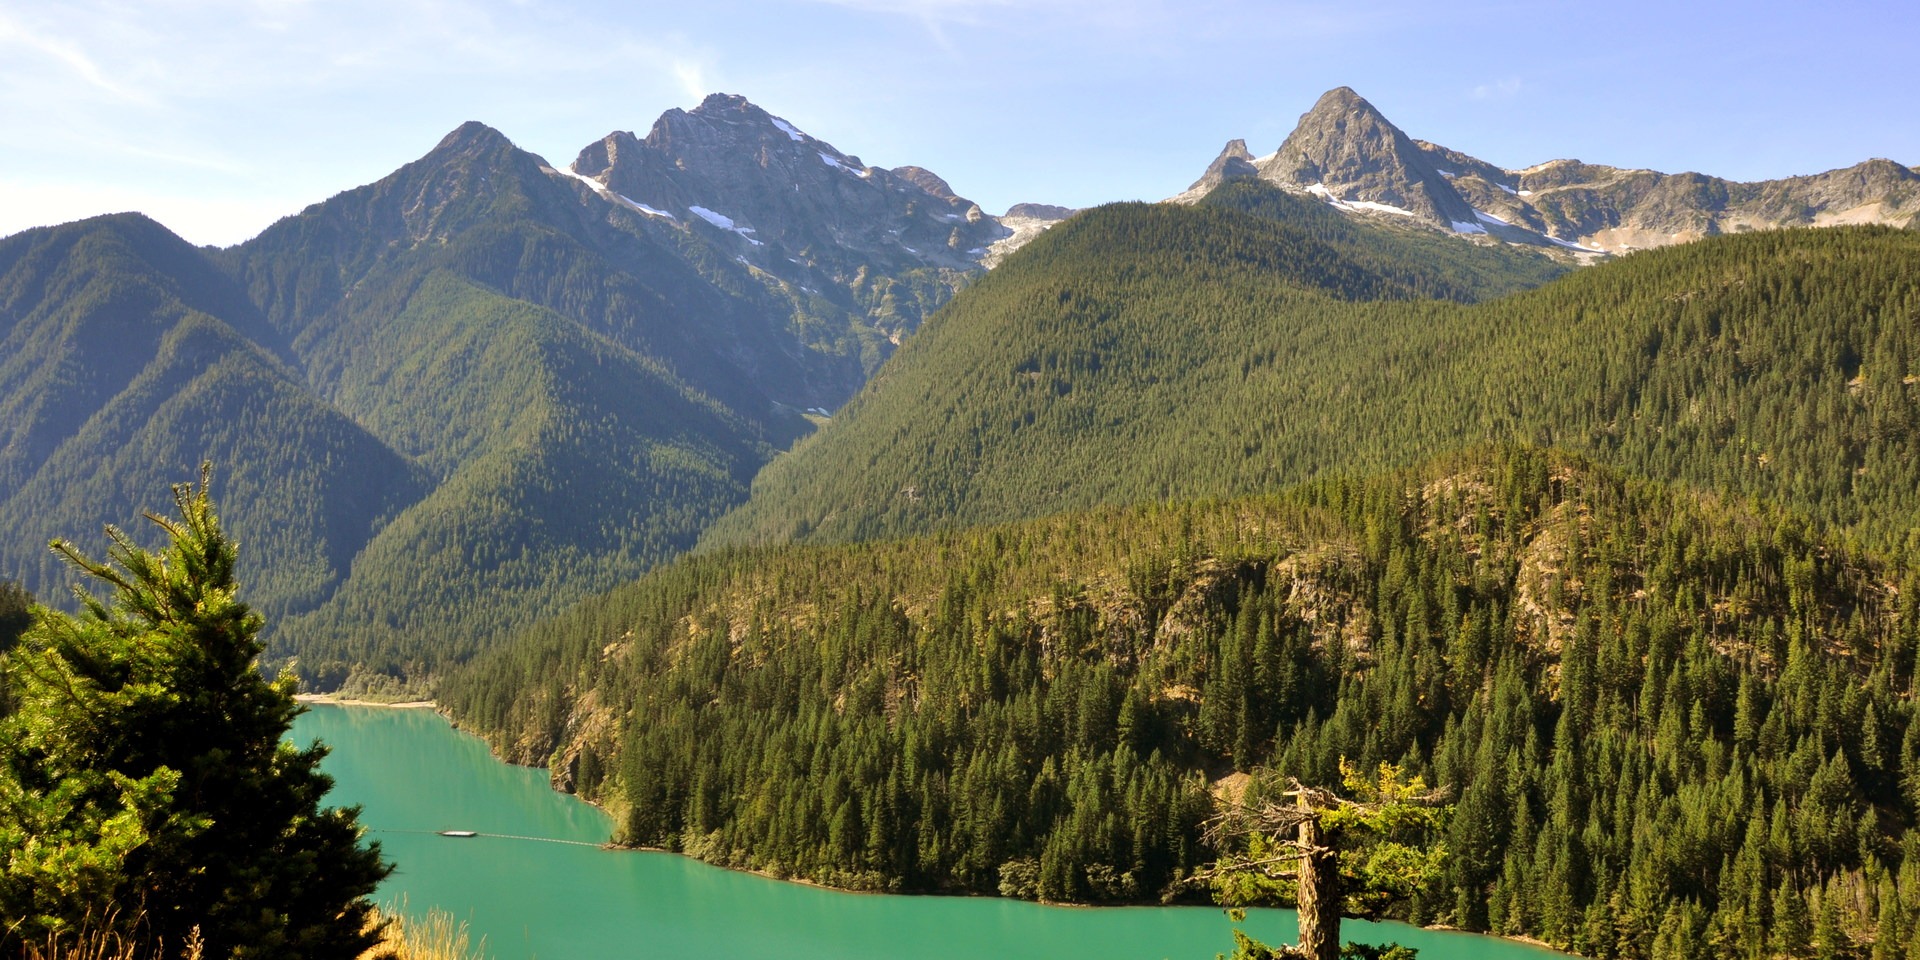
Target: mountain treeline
pixel 1143 353
pixel 1674 725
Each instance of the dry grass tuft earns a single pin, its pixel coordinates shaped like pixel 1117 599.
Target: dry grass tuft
pixel 437 936
pixel 101 944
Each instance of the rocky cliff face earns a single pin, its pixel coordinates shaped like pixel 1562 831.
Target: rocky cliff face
pixel 1024 221
pixel 1346 152
pixel 1233 163
pixel 1619 210
pixel 785 201
pixel 798 213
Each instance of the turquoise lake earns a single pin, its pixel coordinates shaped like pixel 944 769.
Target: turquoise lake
pixel 414 775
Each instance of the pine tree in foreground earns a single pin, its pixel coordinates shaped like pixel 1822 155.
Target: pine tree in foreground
pixel 1328 856
pixel 144 777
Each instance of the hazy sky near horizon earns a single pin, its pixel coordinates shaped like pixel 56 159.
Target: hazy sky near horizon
pixel 217 117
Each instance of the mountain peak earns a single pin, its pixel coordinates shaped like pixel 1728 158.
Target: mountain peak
pixel 472 134
pixel 782 198
pixel 599 156
pixel 1340 136
pixel 724 116
pixel 734 108
pixel 725 103
pixel 1235 162
pixel 1341 100
pixel 1346 149
pixel 926 180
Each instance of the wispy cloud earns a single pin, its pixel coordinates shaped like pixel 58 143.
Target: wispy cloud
pixel 270 104
pixel 38 42
pixel 960 27
pixel 1074 16
pixel 692 77
pixel 939 11
pixel 1505 89
pixel 169 51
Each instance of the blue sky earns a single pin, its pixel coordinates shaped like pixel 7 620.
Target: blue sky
pixel 218 116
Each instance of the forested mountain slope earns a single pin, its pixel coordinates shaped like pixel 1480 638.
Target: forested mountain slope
pixel 567 464
pixel 540 366
pixel 125 360
pixel 1144 353
pixel 1673 725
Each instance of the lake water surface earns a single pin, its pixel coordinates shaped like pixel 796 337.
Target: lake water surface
pixel 414 775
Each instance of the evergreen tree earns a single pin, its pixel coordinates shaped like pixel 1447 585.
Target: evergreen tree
pixel 1329 855
pixel 146 782
pixel 15 603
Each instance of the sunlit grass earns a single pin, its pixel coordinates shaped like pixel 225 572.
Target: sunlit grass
pixel 436 936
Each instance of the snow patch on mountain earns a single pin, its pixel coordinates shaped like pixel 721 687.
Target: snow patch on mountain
pixel 612 197
pixel 720 220
pixel 788 129
pixel 643 208
pixel 723 221
pixel 1024 221
pixel 1571 245
pixel 1372 206
pixel 832 161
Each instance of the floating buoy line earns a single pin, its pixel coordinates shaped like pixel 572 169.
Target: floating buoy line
pixel 468 834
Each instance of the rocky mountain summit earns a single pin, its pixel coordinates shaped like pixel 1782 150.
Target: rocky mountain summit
pixel 795 207
pixel 1233 163
pixel 804 219
pixel 729 166
pixel 1346 152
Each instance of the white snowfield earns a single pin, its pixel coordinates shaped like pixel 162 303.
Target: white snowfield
pixel 831 161
pixel 720 220
pixel 619 198
pixel 641 207
pixel 723 221
pixel 1571 245
pixel 1320 190
pixel 788 129
pixel 1459 226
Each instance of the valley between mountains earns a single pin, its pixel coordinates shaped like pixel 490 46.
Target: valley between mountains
pixel 813 520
